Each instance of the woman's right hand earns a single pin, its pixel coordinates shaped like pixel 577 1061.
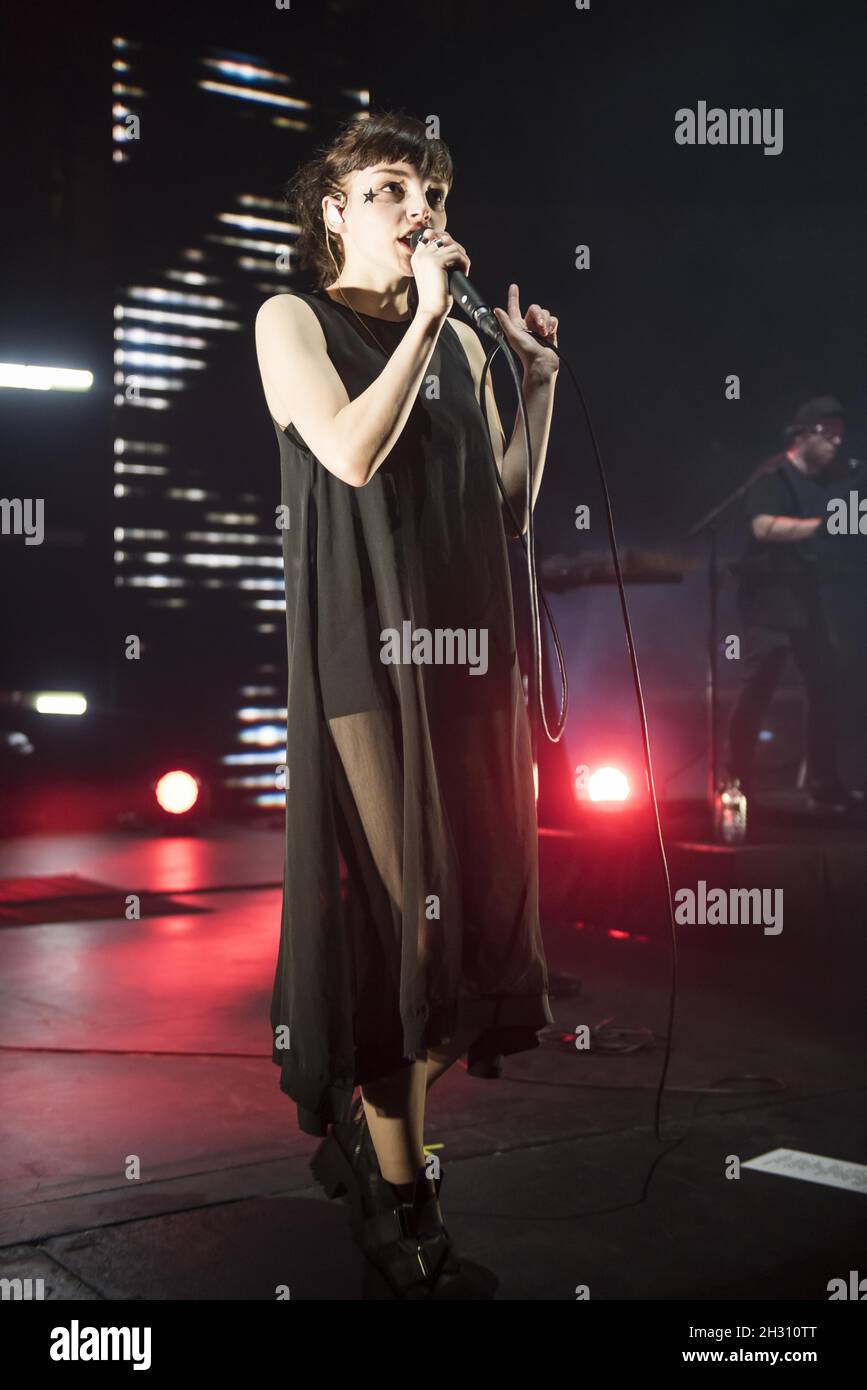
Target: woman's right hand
pixel 429 265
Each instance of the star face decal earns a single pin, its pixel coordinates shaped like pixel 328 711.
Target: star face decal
pixel 369 196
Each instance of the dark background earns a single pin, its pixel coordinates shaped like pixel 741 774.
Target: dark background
pixel 705 261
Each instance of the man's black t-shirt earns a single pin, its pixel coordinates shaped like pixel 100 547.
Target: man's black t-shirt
pixel 779 580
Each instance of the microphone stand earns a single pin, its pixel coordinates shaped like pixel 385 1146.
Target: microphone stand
pixel 709 524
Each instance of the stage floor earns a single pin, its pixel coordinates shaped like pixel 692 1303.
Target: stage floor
pixel 117 1042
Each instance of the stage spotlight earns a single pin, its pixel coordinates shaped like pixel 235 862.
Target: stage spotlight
pixel 177 792
pixel 608 784
pixel 59 702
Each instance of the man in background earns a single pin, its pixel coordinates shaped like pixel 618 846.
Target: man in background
pixel 781 603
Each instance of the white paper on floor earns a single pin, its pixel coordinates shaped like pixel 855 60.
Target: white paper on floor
pixel 792 1163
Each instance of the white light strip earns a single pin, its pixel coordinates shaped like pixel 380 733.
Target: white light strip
pixel 264 780
pixel 245 72
pixel 157 359
pixel 160 296
pixel 230 537
pixel 151 382
pixel 252 759
pixel 248 244
pixel 290 123
pixel 23 376
pixel 263 98
pixel 154 469
pixel 138 446
pixel 156 557
pixel 256 263
pixel 167 316
pixel 253 200
pixel 265 735
pixel 251 223
pixel 147 335
pixel 191 277
pixel 142 402
pixel 60 702
pixel 151 581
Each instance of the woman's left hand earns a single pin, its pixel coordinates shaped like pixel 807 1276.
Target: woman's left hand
pixel 534 357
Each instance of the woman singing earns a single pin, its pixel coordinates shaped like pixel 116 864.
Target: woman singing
pixel 408 753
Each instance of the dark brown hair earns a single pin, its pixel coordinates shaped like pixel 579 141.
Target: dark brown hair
pixel 362 141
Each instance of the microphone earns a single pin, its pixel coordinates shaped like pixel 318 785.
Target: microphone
pixel 466 297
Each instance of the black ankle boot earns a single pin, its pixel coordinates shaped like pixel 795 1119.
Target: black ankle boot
pixel 423 1261
pixel 409 1252
pixel 397 1265
pixel 346 1165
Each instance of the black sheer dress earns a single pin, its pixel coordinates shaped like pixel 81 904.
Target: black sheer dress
pixel 412 775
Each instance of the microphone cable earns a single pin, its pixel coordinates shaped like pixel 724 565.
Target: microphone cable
pixel 536 681
pixel 536 692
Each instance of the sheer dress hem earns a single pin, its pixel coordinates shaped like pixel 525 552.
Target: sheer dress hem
pixel 507 1024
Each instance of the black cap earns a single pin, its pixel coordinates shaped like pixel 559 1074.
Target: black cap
pixel 812 412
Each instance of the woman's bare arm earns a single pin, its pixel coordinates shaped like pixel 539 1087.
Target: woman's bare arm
pixel 784 528
pixel 302 386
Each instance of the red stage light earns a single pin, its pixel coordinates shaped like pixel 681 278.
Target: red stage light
pixel 608 784
pixel 177 791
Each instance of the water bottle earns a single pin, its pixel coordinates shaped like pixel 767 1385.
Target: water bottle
pixel 731 813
